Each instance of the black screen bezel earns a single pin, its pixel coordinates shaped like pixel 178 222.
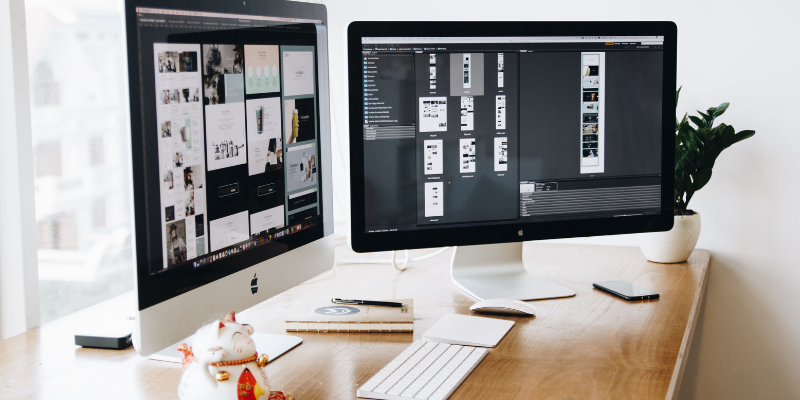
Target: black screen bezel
pixel 522 231
pixel 153 290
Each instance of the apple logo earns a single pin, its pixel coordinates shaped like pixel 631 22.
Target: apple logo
pixel 519 232
pixel 254 284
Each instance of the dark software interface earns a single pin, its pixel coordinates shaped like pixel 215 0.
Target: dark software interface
pixel 229 132
pixel 471 131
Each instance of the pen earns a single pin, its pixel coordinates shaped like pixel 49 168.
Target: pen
pixel 368 302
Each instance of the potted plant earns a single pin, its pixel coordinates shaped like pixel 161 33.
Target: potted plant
pixel 696 149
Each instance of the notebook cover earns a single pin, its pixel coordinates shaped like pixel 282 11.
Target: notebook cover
pixel 324 316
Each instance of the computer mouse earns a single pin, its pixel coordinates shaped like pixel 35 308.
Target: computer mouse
pixel 504 306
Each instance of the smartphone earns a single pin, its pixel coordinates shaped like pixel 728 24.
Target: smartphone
pixel 627 291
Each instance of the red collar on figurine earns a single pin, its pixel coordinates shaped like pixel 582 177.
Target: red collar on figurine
pixel 188 358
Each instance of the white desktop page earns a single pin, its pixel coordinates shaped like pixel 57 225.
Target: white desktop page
pixel 434 199
pixel 467 159
pixel 434 163
pixel 226 136
pixel 229 230
pixel 592 97
pixel 467 113
pixel 433 114
pixel 266 220
pixel 179 128
pixel 500 112
pixel 500 69
pixel 263 129
pixel 298 76
pixel 501 154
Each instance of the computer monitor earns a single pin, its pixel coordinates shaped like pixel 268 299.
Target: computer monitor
pixel 487 134
pixel 230 150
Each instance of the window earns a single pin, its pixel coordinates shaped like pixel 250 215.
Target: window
pixel 80 134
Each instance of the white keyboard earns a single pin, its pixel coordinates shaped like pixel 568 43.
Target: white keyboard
pixel 424 370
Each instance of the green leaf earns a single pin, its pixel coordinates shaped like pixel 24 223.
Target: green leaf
pixel 700 178
pixel 698 122
pixel 677 95
pixel 742 135
pixel 720 110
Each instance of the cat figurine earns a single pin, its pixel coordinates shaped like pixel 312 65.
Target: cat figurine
pixel 222 364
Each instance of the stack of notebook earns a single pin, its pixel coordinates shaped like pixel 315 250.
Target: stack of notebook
pixel 322 316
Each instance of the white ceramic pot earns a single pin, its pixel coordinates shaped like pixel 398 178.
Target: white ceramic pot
pixel 673 246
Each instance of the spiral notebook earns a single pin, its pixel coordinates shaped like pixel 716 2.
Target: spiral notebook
pixel 324 316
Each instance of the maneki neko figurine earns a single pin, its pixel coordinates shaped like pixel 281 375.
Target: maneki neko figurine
pixel 223 364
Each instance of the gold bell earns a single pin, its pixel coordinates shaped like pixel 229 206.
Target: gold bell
pixel 223 376
pixel 262 360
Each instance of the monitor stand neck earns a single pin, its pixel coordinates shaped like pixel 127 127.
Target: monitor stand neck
pixel 495 271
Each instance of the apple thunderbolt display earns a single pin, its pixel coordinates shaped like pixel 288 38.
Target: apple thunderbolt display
pixel 230 145
pixel 483 135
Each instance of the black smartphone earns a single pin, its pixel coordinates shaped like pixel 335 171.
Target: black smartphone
pixel 627 291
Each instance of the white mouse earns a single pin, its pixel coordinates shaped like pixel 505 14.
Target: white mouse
pixel 504 306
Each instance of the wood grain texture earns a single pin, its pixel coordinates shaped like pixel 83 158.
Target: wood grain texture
pixel 593 345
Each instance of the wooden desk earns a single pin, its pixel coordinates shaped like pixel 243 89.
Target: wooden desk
pixel 593 345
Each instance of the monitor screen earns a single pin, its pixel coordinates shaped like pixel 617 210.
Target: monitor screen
pixel 478 131
pixel 226 163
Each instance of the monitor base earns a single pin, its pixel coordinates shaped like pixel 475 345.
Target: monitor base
pixel 272 345
pixel 496 271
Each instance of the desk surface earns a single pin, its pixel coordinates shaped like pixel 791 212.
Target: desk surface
pixel 593 345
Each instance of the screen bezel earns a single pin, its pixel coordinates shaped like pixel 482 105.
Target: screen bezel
pixel 152 290
pixel 522 231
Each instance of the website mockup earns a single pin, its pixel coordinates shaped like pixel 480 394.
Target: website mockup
pixel 470 131
pixel 232 117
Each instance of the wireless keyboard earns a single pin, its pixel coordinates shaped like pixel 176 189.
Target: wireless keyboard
pixel 425 371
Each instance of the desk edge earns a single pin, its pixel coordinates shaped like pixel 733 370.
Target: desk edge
pixel 686 343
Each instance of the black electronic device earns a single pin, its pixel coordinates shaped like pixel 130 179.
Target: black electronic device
pixel 114 335
pixel 217 192
pixel 627 291
pixel 490 133
pixel 467 133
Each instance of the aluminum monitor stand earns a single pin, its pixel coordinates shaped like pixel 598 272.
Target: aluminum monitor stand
pixel 495 271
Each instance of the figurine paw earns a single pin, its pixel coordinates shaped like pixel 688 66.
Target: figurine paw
pixel 277 395
pixel 214 354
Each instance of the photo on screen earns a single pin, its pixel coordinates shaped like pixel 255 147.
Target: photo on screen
pixel 167 61
pixel 591 107
pixel 222 73
pixel 188 61
pixel 299 120
pixel 590 153
pixel 590 118
pixel 591 96
pixel 176 242
pixel 193 178
pixel 166 129
pixel 301 165
pixel 589 128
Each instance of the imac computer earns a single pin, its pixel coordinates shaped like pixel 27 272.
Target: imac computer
pixel 483 135
pixel 230 150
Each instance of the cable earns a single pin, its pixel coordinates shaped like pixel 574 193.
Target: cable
pixel 392 261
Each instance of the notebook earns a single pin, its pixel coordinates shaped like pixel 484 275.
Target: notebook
pixel 324 316
pixel 468 331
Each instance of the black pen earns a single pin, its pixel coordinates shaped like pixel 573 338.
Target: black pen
pixel 368 302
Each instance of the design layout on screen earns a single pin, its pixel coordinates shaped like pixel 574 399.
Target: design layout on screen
pixel 235 125
pixel 514 126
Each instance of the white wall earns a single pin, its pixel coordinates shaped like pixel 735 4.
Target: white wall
pixel 747 343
